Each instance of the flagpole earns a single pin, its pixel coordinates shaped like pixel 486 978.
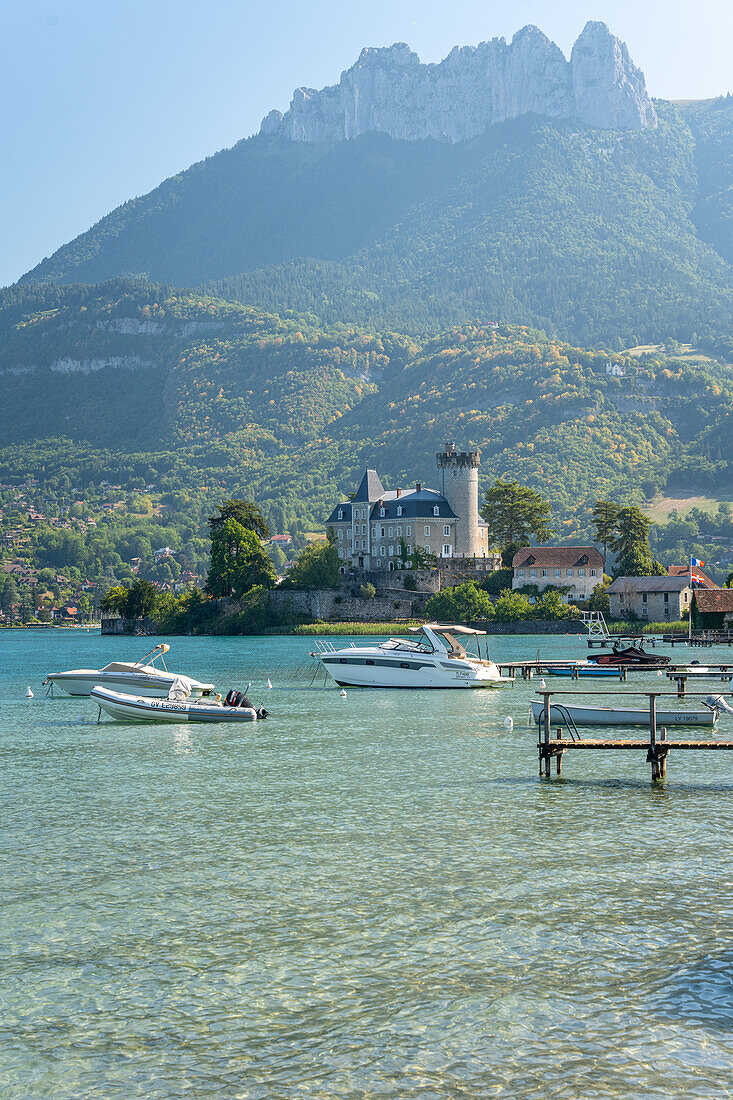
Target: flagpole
pixel 689 617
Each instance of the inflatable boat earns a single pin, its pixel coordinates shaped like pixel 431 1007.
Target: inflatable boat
pixel 178 707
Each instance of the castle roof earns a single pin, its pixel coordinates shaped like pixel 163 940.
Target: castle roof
pixel 415 504
pixel 370 487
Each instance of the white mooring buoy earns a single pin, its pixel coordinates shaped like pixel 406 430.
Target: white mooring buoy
pixel 269 683
pixel 28 693
pixel 659 672
pixel 508 722
pixel 342 693
pixel 543 685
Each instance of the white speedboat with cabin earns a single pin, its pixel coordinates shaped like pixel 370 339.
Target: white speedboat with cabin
pixel 435 659
pixel 139 678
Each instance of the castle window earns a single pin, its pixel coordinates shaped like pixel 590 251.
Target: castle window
pixel 391 532
pixel 544 572
pixel 382 551
pixel 436 510
pixel 446 530
pixel 399 532
pixel 341 553
pixel 363 528
pixel 391 551
pixel 427 530
pixel 557 572
pixel 569 572
pixel 592 572
pixel 399 510
pixel 348 535
pixel 520 572
pixel 446 551
pixel 374 532
pixel 581 572
pixel 384 532
pixel 427 548
pixel 533 572
pixel 341 534
pixel 408 531
pixel 409 549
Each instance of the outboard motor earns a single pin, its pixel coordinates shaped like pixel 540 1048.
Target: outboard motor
pixel 717 703
pixel 233 698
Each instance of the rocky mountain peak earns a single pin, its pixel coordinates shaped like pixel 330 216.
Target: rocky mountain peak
pixel 391 91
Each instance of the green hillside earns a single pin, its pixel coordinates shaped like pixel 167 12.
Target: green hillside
pixel 214 397
pixel 598 236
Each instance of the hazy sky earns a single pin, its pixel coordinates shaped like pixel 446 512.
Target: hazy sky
pixel 102 99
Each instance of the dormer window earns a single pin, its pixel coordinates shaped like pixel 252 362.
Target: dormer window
pixel 399 509
pixel 341 513
pixel 382 512
pixel 436 510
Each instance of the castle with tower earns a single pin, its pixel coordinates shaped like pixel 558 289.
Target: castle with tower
pixel 380 529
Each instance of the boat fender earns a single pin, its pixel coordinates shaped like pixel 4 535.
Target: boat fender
pixel 508 722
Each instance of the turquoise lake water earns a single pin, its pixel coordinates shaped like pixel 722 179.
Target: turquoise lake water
pixel 365 897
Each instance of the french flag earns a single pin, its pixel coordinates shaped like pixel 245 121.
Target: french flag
pixel 695 563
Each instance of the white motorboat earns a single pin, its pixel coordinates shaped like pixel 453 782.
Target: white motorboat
pixel 563 714
pixel 178 706
pixel 139 678
pixel 434 660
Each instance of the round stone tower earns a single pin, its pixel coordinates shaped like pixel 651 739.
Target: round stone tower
pixel 459 470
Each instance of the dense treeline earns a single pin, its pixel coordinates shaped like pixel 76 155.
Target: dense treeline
pixel 596 236
pixel 247 403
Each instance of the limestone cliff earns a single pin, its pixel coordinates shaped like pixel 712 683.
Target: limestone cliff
pixel 389 90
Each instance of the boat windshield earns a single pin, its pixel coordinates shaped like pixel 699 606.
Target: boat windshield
pixel 407 644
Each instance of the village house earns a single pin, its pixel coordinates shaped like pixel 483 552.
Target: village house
pixel 372 527
pixel 654 598
pixel 712 609
pixel 578 569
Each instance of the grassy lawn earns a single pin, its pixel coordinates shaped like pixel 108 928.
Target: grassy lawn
pixel 660 507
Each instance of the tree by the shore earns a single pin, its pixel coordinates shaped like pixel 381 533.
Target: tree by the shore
pixel 516 515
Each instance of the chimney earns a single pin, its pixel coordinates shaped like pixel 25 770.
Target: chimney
pixel 418 486
pixel 399 492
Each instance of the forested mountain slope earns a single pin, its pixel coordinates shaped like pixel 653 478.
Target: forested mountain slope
pixel 216 398
pixel 603 236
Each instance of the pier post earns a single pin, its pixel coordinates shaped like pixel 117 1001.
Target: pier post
pixel 663 753
pixel 652 754
pixel 558 735
pixel 546 717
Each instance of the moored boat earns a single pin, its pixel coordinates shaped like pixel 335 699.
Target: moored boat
pixel 139 678
pixel 435 660
pixel 562 714
pixel 177 708
pixel 585 670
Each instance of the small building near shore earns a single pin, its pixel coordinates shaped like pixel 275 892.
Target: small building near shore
pixel 658 599
pixel 577 569
pixel 712 609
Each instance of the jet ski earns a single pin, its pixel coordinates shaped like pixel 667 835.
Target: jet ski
pixel 630 657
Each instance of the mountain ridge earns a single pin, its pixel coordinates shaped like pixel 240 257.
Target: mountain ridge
pixel 389 90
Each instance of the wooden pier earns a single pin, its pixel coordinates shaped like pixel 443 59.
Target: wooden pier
pixel 656 745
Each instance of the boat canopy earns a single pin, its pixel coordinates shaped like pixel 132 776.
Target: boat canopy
pixel 442 628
